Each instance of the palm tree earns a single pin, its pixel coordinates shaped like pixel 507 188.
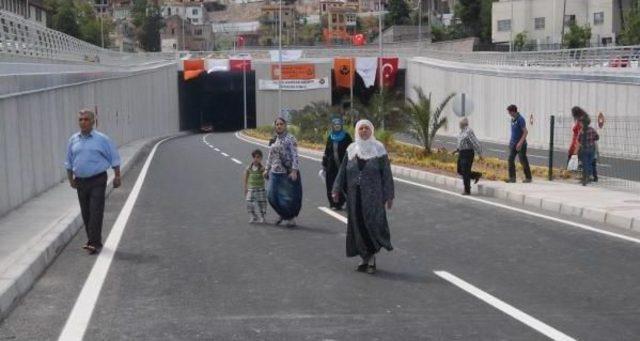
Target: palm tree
pixel 425 121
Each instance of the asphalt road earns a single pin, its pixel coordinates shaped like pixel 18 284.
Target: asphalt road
pixel 190 267
pixel 626 169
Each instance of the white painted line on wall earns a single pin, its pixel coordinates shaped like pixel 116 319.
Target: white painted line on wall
pixel 236 161
pixel 225 154
pixel 495 204
pixel 506 308
pixel 78 321
pixel 336 215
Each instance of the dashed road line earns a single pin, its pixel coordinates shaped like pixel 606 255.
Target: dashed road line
pixel 225 154
pixel 236 161
pixel 506 308
pixel 216 149
pixel 338 216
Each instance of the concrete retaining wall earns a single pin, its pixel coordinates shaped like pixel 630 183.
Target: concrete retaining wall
pixel 538 93
pixel 35 125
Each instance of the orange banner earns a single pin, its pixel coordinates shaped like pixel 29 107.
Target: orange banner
pixel 343 71
pixel 193 68
pixel 293 71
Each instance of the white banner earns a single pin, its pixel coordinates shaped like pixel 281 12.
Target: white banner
pixel 287 55
pixel 294 84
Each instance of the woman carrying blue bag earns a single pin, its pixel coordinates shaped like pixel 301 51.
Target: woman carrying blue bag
pixel 284 191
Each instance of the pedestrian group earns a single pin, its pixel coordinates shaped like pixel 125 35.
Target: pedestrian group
pixel 356 173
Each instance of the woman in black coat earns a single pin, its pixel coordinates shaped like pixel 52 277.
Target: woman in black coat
pixel 334 153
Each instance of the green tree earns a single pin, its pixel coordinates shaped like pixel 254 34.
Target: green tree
pixel 630 34
pixel 577 37
pixel 425 121
pixel 475 16
pixel 147 18
pixel 65 19
pixel 399 13
pixel 520 41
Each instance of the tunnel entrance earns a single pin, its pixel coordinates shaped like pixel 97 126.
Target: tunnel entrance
pixel 216 100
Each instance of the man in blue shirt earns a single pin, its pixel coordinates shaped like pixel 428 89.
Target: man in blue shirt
pixel 90 154
pixel 518 145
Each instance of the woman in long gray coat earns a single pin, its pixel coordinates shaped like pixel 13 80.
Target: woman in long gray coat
pixel 366 174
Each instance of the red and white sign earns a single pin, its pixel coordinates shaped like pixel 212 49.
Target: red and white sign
pixel 239 65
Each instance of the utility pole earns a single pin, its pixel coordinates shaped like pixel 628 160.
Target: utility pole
pixel 511 29
pixel 102 29
pixel 280 58
pixel 380 61
pixel 564 13
pixel 419 25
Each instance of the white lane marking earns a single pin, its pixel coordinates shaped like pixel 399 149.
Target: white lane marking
pixel 519 210
pixel 204 138
pixel 210 146
pixel 80 315
pixel 236 161
pixel 506 207
pixel 216 149
pixel 538 156
pixel 225 154
pixel 604 165
pixel 328 211
pixel 506 308
pixel 496 150
pixel 238 136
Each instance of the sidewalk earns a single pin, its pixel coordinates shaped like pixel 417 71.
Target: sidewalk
pixel 597 204
pixel 32 235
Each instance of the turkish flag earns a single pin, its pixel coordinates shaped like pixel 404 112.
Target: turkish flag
pixel 343 71
pixel 389 71
pixel 236 65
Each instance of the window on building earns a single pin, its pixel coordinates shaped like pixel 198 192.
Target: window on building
pixel 199 32
pixel 173 31
pixel 38 14
pixel 169 11
pixel 569 20
pixel 539 23
pixel 598 18
pixel 607 41
pixel 194 11
pixel 504 25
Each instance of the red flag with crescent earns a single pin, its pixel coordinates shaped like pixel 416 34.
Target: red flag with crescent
pixel 389 71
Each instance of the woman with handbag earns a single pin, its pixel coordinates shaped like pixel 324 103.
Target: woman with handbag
pixel 366 174
pixel 284 191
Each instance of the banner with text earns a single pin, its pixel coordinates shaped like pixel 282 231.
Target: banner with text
pixel 294 84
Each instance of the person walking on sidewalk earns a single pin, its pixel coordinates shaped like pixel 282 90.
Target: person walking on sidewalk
pixel 468 145
pixel 518 145
pixel 284 191
pixel 334 152
pixel 588 143
pixel 366 174
pixel 90 154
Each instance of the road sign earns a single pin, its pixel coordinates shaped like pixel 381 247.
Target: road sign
pixel 462 105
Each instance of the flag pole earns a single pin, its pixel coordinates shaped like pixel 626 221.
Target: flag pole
pixel 380 61
pixel 280 58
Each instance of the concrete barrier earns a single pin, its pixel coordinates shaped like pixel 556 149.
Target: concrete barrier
pixel 35 125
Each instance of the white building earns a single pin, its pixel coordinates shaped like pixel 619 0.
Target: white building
pixel 192 11
pixel 543 19
pixel 34 10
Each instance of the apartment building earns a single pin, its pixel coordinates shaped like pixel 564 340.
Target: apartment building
pixel 545 21
pixel 33 10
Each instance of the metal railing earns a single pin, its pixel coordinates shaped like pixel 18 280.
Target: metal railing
pixel 28 39
pixel 25 38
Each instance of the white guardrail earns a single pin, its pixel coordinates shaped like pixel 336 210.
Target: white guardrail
pixel 21 37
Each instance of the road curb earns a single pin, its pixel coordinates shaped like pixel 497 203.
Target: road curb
pixel 550 205
pixel 28 266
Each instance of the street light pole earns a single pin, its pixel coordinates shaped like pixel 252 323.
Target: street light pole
pixel 244 89
pixel 280 58
pixel 102 30
pixel 380 61
pixel 419 25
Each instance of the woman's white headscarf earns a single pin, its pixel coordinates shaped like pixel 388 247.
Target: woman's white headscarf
pixel 366 149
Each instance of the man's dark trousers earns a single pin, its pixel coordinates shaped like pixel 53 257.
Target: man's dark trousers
pixel 522 155
pixel 465 162
pixel 91 193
